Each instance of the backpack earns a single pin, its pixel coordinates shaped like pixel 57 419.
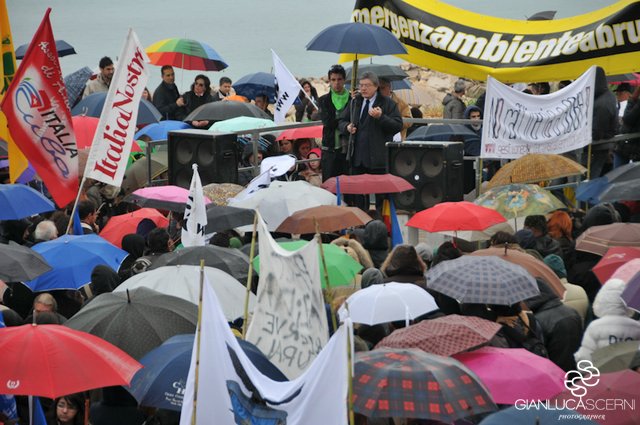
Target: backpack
pixel 530 341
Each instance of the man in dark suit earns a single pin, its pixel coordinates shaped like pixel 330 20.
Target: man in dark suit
pixel 371 120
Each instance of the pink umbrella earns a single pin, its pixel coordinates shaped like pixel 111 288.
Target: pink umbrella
pixel 615 257
pixel 513 374
pixel 313 132
pixel 169 197
pixel 627 271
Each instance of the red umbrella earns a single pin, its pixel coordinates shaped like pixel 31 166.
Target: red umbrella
pixel 619 387
pixel 455 216
pixel 313 132
pixel 615 257
pixel 85 128
pixel 52 361
pixel 368 183
pixel 121 225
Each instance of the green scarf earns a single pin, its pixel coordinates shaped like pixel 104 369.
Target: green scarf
pixel 340 100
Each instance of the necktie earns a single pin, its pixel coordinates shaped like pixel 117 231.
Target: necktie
pixel 365 111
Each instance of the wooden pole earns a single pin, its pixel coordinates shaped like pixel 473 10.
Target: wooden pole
pixel 197 353
pixel 252 252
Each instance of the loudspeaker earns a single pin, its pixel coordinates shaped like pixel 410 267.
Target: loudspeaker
pixel 216 156
pixel 435 169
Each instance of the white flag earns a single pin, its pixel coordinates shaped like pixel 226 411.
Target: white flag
pixel 231 390
pixel 195 213
pixel 114 136
pixel 289 322
pixel 288 89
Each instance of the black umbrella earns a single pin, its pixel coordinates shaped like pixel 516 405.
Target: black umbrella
pixel 4 149
pixel 137 321
pixel 389 72
pixel 75 84
pixel 444 133
pixel 623 191
pixel 63 48
pixel 19 263
pixel 221 218
pixel 229 260
pixel 93 104
pixel 220 111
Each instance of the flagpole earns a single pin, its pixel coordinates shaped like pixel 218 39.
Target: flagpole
pixel 250 275
pixel 75 205
pixel 198 332
pixel 329 291
pixel 350 371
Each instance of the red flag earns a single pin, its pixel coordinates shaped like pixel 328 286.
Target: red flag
pixel 37 110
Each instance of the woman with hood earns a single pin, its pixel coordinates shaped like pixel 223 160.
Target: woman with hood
pixel 404 265
pixel 376 241
pixel 614 323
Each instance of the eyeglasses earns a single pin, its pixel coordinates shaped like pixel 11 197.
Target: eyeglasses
pixel 366 85
pixel 62 405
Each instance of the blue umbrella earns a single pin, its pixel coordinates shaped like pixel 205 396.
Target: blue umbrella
pixel 542 416
pixel 255 84
pixel 63 48
pixel 162 381
pixel 73 259
pixel 160 130
pixel 589 191
pixel 357 38
pixel 92 105
pixel 18 201
pixel 75 83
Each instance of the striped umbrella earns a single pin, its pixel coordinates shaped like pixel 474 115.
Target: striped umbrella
pixel 185 53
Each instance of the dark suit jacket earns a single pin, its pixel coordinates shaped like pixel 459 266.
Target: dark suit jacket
pixel 373 133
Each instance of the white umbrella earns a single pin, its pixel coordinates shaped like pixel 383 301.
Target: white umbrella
pixel 479 235
pixel 281 199
pixel 387 302
pixel 184 282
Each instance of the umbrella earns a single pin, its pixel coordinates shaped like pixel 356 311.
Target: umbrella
pixel 621 386
pixel 312 132
pixel 93 104
pixel 623 191
pixel 240 124
pixel 52 361
pixel 631 293
pixel 536 167
pixel 533 416
pixel 73 259
pixel 417 95
pixel 137 175
pixel 220 193
pixel 590 190
pixel 4 149
pixel 137 321
pixel 625 173
pixel 168 197
pixel 183 282
pixel 84 128
pixel 413 384
pixel 18 263
pixel 519 200
pixel 341 268
pixel 444 132
pixel 615 357
pixel 598 239
pixel 479 235
pixel 281 199
pixel 160 130
pixel 389 72
pixel 76 83
pixel 220 111
pixel 229 260
pixel 62 47
pixel 455 216
pixel 368 183
pixel 221 218
pixel 627 271
pixel 328 218
pixel 387 302
pixel 513 374
pixel 162 381
pixel 18 201
pixel 615 257
pixel 120 225
pixel 185 53
pixel 444 336
pixel 535 267
pixel 482 280
pixel 258 83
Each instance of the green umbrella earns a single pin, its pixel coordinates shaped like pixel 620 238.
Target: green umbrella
pixel 615 357
pixel 519 200
pixel 340 266
pixel 240 124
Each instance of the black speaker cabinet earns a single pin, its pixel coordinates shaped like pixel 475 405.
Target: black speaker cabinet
pixel 216 156
pixel 435 169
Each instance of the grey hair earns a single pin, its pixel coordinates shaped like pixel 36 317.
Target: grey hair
pixel 460 86
pixel 368 75
pixel 46 230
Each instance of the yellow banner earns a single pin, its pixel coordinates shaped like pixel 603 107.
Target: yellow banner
pixel 17 161
pixel 452 40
